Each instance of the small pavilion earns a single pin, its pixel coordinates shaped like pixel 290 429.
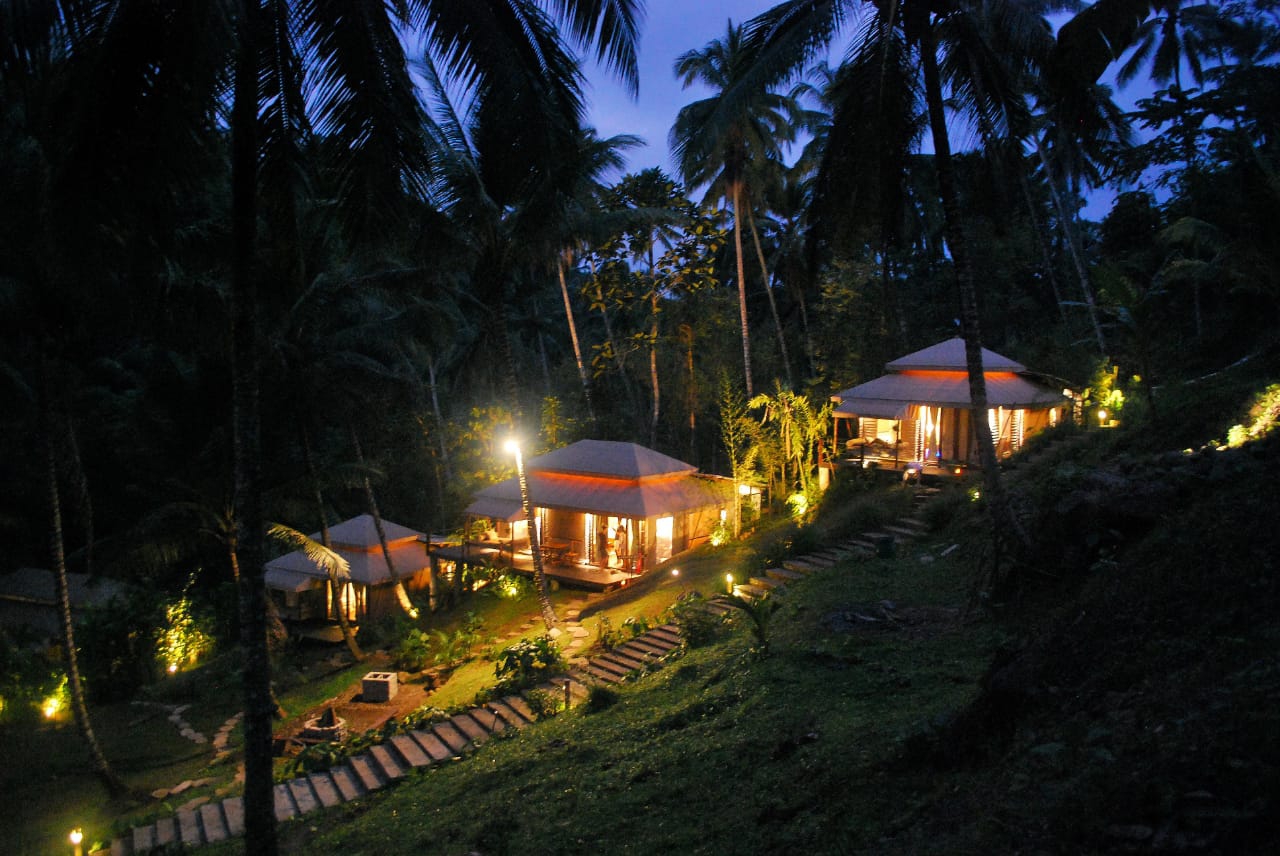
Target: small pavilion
pixel 300 587
pixel 917 414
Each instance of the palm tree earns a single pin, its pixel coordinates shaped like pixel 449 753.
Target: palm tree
pixel 716 139
pixel 931 49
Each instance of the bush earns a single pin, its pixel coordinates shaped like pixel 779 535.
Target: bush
pixel 600 698
pixel 413 652
pixel 528 661
pixel 544 703
pixel 697 625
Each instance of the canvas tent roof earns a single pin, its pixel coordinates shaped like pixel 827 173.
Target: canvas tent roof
pixel 639 500
pixel 609 459
pixel 888 397
pixel 949 356
pixel 356 540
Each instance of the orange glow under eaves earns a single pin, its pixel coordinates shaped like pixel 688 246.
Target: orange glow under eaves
pixel 937 373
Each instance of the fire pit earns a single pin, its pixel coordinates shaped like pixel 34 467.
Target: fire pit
pixel 328 727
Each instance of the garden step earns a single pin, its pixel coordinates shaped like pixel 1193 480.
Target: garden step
pixel 642 644
pixel 640 651
pixel 166 831
pixel 766 583
pixel 519 706
pixel 718 609
pixel 144 838
pixel 628 661
pixel 385 759
pixel 750 592
pixel 233 810
pixel 784 575
pixel 215 826
pixel 303 797
pixel 285 808
pixel 914 523
pixel 362 766
pixel 469 727
pixel 613 667
pixel 799 566
pixel 326 791
pixel 346 781
pixel 410 751
pixel 606 676
pixel 452 737
pixel 432 745
pixel 189 827
pixel 860 546
pixel 902 531
pixel 489 720
pixel 668 633
pixel 507 715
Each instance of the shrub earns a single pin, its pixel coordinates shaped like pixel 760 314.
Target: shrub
pixel 527 661
pixel 413 652
pixel 600 698
pixel 638 625
pixel 697 625
pixel 544 703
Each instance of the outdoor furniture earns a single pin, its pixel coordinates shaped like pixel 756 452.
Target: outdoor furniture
pixel 555 549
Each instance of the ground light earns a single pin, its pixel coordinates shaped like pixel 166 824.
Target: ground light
pixel 728 582
pixel 76 838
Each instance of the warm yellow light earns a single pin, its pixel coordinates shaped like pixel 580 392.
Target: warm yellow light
pixel 675 572
pixel 957 470
pixel 1102 415
pixel 76 836
pixel 51 707
pixel 728 581
pixel 173 668
pixel 744 490
pixel 512 446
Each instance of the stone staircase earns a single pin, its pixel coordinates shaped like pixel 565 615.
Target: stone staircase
pixel 883 542
pixel 389 762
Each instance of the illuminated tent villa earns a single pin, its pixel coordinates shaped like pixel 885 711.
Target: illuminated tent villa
pixel 917 415
pixel 605 511
pixel 301 590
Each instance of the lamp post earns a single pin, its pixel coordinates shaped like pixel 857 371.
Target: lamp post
pixel 539 578
pixel 76 837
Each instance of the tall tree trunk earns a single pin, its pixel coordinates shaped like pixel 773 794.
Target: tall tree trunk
pixel 1043 241
pixel 773 304
pixel 742 286
pixel 686 335
pixel 57 554
pixel 402 596
pixel 435 411
pixel 573 337
pixel 613 345
pixel 653 370
pixel 549 619
pixel 1069 231
pixel 335 585
pixel 542 351
pixel 259 704
pixel 1003 521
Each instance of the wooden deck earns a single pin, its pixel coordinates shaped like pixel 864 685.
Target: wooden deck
pixel 571 574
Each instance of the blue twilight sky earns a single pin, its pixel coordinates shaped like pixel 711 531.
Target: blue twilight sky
pixel 670 28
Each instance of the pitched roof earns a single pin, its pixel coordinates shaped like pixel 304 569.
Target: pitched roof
pixel 639 500
pixel 949 356
pixel 888 396
pixel 609 459
pixel 356 540
pixel 361 533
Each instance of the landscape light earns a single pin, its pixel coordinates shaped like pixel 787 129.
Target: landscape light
pixel 675 572
pixel 728 581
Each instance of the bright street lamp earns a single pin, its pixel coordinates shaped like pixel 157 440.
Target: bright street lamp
pixel 544 599
pixel 76 837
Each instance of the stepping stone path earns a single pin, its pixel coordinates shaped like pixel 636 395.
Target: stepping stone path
pixel 864 545
pixel 203 821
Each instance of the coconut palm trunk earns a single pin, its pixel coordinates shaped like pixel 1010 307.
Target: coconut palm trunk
pixel 335 585
pixel 742 285
pixel 57 553
pixel 1004 524
pixel 259 705
pixel 402 596
pixel 773 304
pixel 573 337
